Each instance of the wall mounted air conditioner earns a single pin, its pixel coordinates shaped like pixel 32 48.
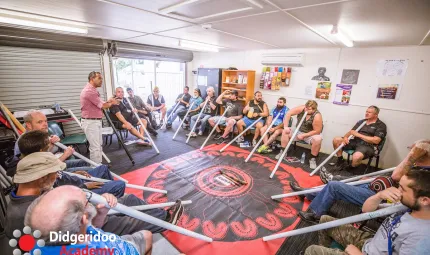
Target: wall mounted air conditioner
pixel 283 59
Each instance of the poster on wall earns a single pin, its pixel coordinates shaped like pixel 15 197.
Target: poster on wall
pixel 309 91
pixel 342 95
pixel 321 75
pixel 350 76
pixel 388 91
pixel 392 67
pixel 323 90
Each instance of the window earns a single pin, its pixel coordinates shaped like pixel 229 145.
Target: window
pixel 138 74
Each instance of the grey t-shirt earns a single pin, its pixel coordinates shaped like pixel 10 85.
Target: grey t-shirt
pixel 405 236
pixel 236 107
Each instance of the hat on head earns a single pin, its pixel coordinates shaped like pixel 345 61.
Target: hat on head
pixel 36 165
pixel 129 89
pixel 234 92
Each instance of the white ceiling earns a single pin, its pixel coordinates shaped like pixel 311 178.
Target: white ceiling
pixel 278 24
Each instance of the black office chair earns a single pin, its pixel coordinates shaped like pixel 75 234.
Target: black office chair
pixel 378 148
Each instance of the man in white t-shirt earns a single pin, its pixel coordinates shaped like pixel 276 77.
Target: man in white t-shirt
pixel 399 234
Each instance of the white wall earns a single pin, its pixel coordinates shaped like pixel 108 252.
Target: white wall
pixel 407 118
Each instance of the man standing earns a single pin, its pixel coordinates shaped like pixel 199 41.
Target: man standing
pixel 208 111
pixel 182 100
pixel 309 131
pixel 143 111
pixel 124 113
pixel 231 117
pixel 277 127
pixel 364 141
pixel 157 103
pixel 253 110
pixel 91 113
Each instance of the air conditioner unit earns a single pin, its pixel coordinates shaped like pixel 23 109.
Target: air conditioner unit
pixel 283 59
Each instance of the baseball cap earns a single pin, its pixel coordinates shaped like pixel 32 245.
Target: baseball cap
pixel 36 165
pixel 129 89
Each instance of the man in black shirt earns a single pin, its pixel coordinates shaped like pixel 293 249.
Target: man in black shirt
pixel 143 111
pixel 125 114
pixel 364 141
pixel 182 100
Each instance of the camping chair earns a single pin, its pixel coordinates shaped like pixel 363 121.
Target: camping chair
pixel 72 140
pixel 378 148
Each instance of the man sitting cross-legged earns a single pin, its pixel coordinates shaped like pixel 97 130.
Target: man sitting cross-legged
pixel 277 127
pixel 419 156
pixel 67 209
pixel 309 131
pixel 402 233
pixel 253 110
pixel 230 118
pixel 124 113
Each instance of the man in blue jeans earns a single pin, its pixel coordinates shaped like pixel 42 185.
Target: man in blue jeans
pixel 36 120
pixel 209 111
pixel 419 156
pixel 182 100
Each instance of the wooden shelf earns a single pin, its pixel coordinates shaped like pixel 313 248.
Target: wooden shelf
pixel 238 71
pixel 231 88
pixel 234 83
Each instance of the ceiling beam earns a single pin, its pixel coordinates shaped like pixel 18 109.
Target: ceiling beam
pixel 301 22
pixel 173 7
pixel 255 3
pixel 224 13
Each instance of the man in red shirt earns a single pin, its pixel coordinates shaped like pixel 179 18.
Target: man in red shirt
pixel 91 113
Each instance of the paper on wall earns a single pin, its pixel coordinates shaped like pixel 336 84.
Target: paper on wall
pixel 202 80
pixel 342 95
pixel 388 91
pixel 392 67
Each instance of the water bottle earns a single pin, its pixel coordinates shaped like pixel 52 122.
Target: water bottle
pixel 302 160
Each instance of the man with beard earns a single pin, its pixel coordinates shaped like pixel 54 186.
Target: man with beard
pixel 124 113
pixel 143 111
pixel 277 127
pixel 403 233
pixel 253 110
pixel 183 100
pixel 66 210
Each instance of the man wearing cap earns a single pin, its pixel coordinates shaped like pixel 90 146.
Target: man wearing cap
pixel 37 173
pixel 143 111
pixel 91 113
pixel 235 108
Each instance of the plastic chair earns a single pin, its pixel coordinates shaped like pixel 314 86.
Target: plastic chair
pixel 71 140
pixel 378 148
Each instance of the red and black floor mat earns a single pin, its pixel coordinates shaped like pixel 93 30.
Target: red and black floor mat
pixel 236 215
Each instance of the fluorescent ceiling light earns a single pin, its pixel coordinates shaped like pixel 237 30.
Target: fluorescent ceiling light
pixel 345 40
pixel 173 7
pixel 255 3
pixel 224 13
pixel 198 46
pixel 29 20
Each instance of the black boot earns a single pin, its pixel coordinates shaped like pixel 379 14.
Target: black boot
pixel 309 217
pixel 340 165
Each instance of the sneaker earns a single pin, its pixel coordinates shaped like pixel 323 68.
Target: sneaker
pixel 312 163
pixel 192 134
pixel 279 155
pixel 218 136
pixel 222 140
pixel 200 133
pixel 263 149
pixel 175 212
pixel 240 140
pixel 254 142
pixel 340 165
pixel 168 125
pixel 144 142
pixel 309 217
pixel 325 176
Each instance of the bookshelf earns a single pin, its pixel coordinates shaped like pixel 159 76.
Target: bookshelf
pixel 231 79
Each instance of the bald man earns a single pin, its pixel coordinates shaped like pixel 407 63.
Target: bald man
pixel 66 209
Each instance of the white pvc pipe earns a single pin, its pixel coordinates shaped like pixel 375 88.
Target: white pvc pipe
pixel 308 191
pixel 262 137
pixel 198 118
pixel 183 119
pixel 289 144
pixel 97 199
pixel 132 186
pixel 335 151
pixel 243 132
pixel 80 125
pixel 89 161
pixel 143 126
pixel 153 206
pixel 214 128
pixel 339 222
pixel 4 173
pixel 173 111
